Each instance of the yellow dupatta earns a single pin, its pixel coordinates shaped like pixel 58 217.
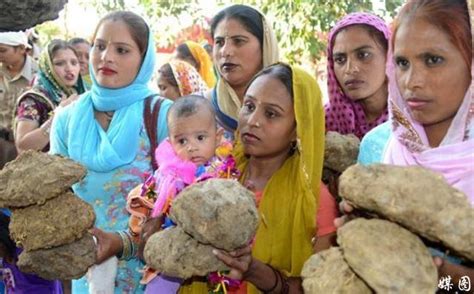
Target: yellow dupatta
pixel 291 197
pixel 227 99
pixel 205 63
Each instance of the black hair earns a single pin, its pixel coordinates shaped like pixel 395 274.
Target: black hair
pixel 185 53
pixel 136 24
pixel 75 41
pixel 189 105
pixel 5 239
pixel 250 18
pixel 166 73
pixel 280 71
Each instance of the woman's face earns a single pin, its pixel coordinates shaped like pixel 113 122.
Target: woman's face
pixel 166 89
pixel 266 120
pixel 431 73
pixel 359 63
pixel 237 53
pixel 116 57
pixel 82 50
pixel 66 66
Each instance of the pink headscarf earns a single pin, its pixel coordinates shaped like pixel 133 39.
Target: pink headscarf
pixel 342 114
pixel 408 143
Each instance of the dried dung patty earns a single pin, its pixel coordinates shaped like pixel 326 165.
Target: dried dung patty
pixel 177 254
pixel 389 258
pixel 217 211
pixel 340 151
pixel 35 177
pixel 328 272
pixel 59 221
pixel 65 262
pixel 416 198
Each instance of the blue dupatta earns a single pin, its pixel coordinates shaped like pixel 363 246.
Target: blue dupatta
pixel 86 140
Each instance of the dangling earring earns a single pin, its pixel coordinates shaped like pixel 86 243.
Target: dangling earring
pixel 293 147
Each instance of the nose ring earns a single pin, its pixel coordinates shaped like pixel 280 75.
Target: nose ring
pixel 257 124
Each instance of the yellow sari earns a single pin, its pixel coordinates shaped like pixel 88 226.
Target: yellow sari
pixel 205 64
pixel 291 197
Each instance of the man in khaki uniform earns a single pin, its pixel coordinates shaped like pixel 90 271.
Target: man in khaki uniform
pixel 17 70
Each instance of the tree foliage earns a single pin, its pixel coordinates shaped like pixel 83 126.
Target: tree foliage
pixel 301 26
pixel 49 30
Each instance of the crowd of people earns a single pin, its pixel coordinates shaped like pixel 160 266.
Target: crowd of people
pixel 404 89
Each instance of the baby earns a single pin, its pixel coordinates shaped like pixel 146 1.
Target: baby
pixel 193 152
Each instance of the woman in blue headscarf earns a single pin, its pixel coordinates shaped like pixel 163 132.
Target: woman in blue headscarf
pixel 57 84
pixel 105 130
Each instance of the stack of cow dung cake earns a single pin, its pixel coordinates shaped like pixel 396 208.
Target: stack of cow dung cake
pixel 48 221
pixel 216 213
pixel 388 255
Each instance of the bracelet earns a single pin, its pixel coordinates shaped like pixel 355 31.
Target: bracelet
pixel 129 249
pixel 276 275
pixel 285 287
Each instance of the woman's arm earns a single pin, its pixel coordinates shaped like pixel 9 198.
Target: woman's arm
pixel 327 213
pixel 108 244
pixel 324 242
pixel 29 135
pixel 120 243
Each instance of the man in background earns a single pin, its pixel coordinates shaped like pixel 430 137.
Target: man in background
pixel 17 70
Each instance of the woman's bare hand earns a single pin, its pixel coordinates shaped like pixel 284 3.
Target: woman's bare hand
pixel 108 244
pixel 239 261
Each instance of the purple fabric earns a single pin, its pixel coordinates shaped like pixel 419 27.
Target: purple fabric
pixel 164 285
pixel 23 283
pixel 342 114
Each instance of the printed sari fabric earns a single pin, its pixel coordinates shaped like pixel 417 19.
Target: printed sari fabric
pixel 188 79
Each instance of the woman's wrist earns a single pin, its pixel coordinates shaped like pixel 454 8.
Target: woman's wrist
pixel 252 269
pixel 129 248
pixel 267 278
